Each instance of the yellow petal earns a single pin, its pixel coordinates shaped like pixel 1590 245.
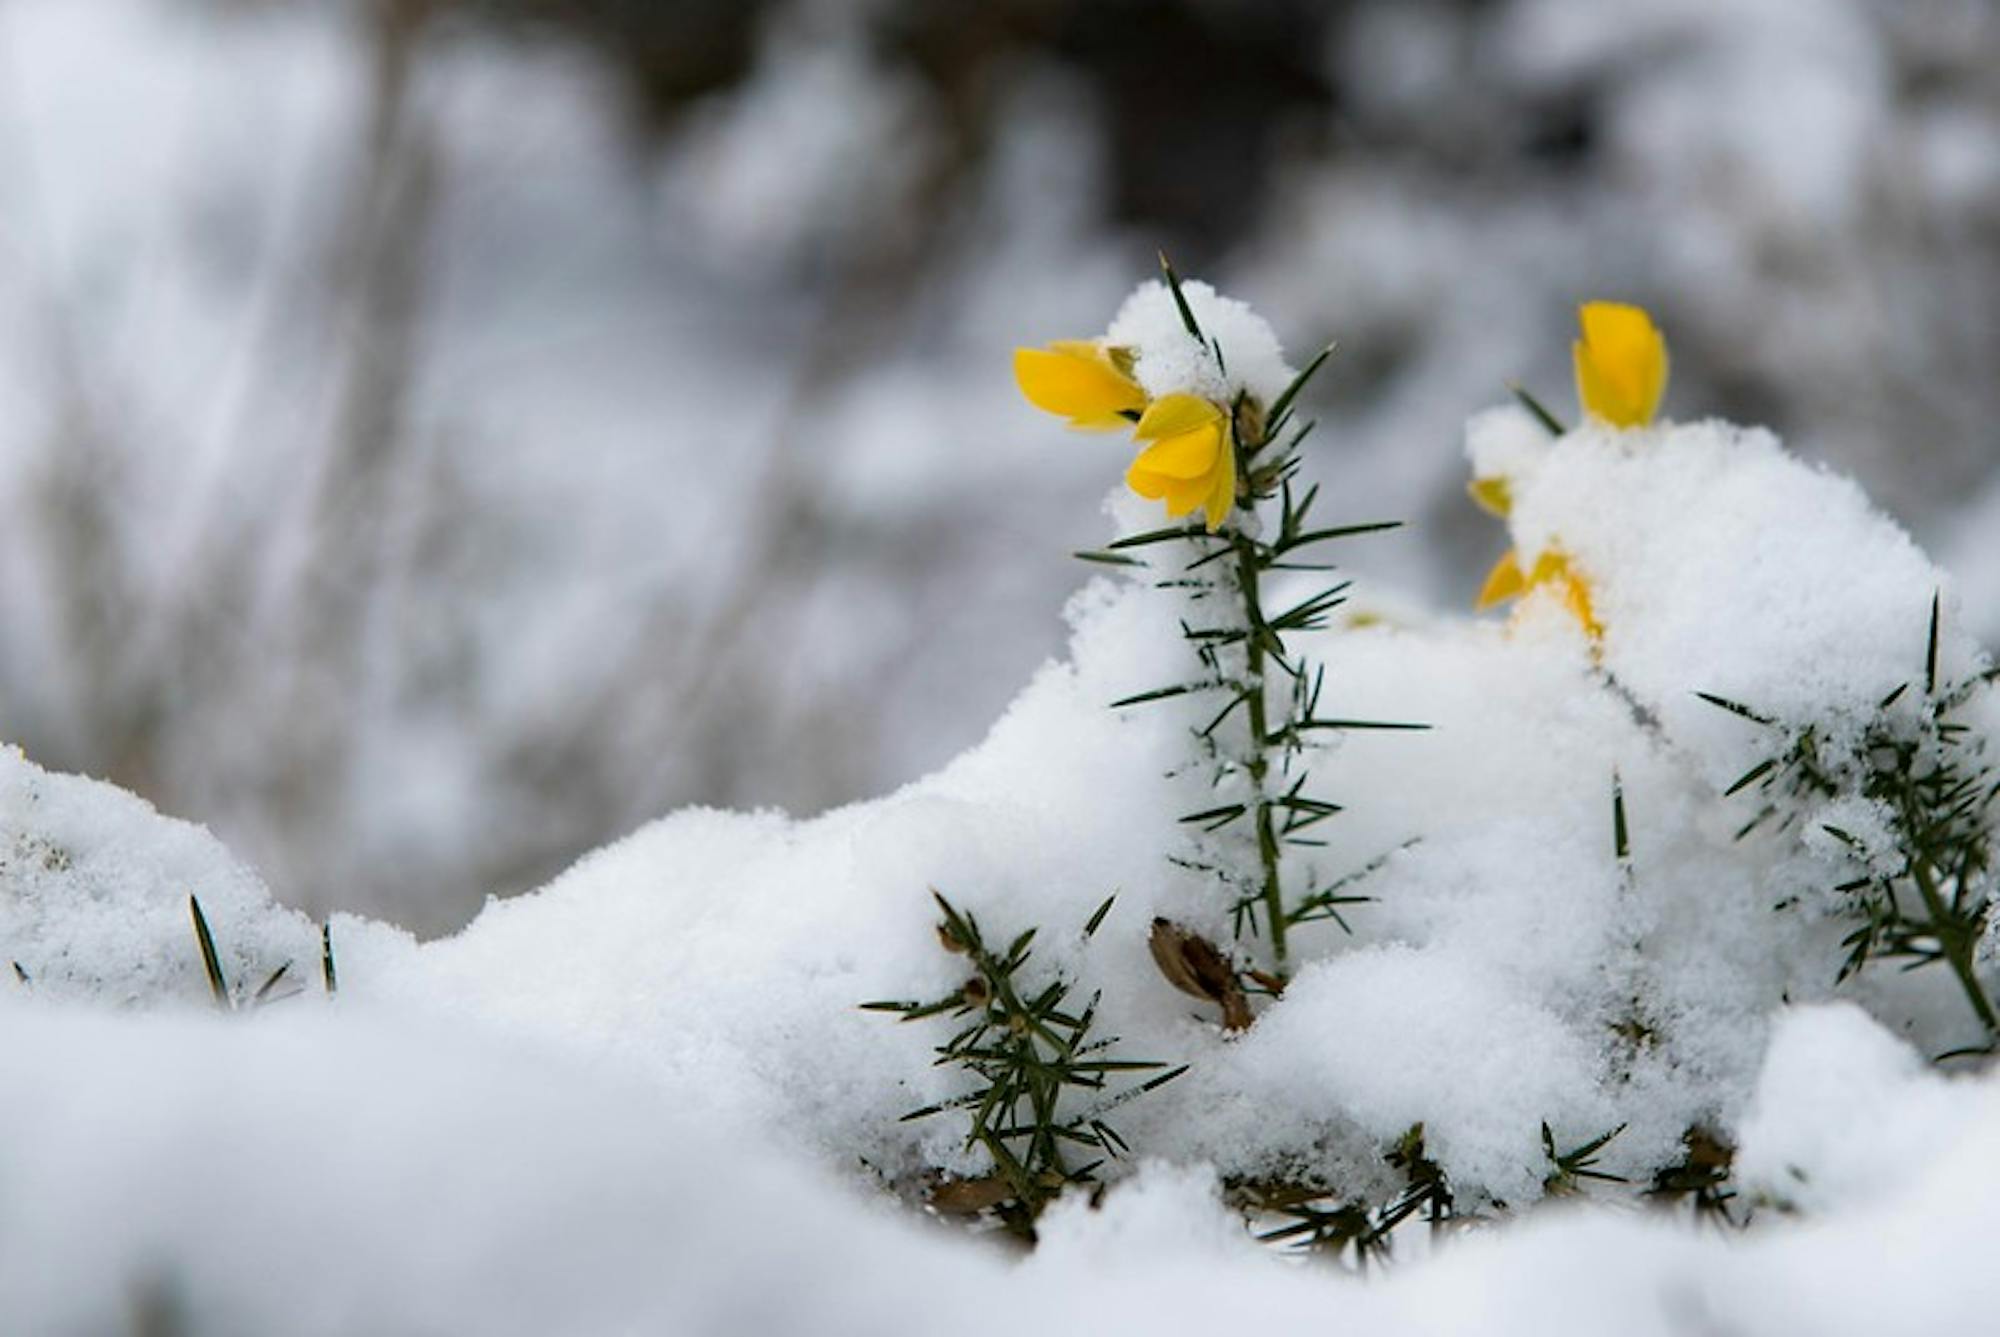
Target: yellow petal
pixel 1182 496
pixel 1600 399
pixel 1146 483
pixel 1550 567
pixel 1576 598
pixel 1222 497
pixel 1553 571
pixel 1191 461
pixel 1176 415
pixel 1621 363
pixel 1188 455
pixel 1492 494
pixel 1080 381
pixel 1503 582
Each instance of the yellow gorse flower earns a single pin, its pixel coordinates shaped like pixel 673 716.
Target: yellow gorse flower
pixel 1190 457
pixel 1492 495
pixel 1553 571
pixel 1191 461
pixel 1621 373
pixel 1081 380
pixel 1621 364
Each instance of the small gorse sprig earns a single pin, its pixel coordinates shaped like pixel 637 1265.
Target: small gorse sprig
pixel 1236 460
pixel 1040 1093
pixel 1306 1217
pixel 1918 864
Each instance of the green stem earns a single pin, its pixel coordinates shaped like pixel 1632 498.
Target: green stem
pixel 1956 945
pixel 1258 764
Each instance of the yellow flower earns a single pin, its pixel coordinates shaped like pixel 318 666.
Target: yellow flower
pixel 1551 571
pixel 1080 380
pixel 1191 463
pixel 1495 496
pixel 1505 581
pixel 1621 364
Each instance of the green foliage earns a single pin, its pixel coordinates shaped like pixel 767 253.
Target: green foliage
pixel 1568 1170
pixel 1312 1218
pixel 1550 423
pixel 1700 1180
pixel 227 997
pixel 1924 898
pixel 1040 1092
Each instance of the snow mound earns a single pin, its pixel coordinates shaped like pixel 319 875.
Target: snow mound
pixel 379 1176
pixel 94 889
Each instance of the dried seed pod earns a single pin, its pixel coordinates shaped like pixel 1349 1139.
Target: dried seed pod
pixel 1197 967
pixel 1266 981
pixel 1249 420
pixel 968 1197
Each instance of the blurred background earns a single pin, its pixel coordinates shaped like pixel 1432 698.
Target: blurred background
pixel 437 436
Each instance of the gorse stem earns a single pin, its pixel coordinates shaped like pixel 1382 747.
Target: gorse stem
pixel 1257 762
pixel 1956 944
pixel 1254 737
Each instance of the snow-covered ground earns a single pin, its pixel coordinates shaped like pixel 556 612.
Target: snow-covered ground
pixel 332 1175
pixel 420 482
pixel 646 1096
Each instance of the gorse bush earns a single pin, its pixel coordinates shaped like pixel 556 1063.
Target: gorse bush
pixel 1471 908
pixel 1225 448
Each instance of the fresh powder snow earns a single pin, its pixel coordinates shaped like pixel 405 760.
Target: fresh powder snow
pixel 646 1095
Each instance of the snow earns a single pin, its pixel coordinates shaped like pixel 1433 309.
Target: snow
pixel 1713 579
pixel 1169 359
pixel 654 1077
pixel 1844 1112
pixel 237 1174
pixel 544 1101
pixel 96 887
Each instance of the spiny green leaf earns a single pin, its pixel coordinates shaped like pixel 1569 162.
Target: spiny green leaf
pixel 1751 776
pixel 263 993
pixel 1337 532
pixel 1735 708
pixel 1097 918
pixel 1528 401
pixel 1291 392
pixel 1180 298
pixel 1318 724
pixel 1931 650
pixel 210 962
pixel 1621 839
pixel 1158 694
pixel 1167 535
